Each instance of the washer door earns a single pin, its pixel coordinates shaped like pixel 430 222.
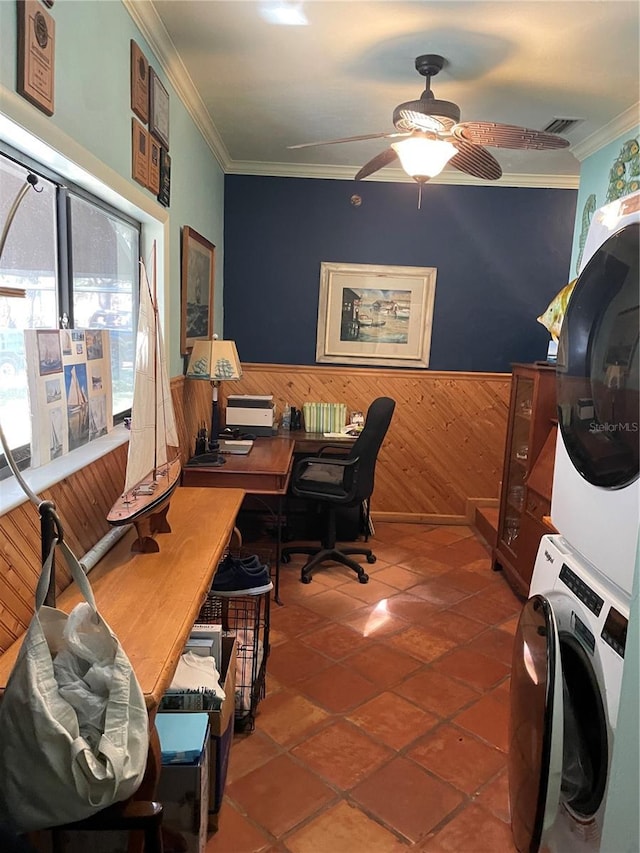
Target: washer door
pixel 598 367
pixel 536 737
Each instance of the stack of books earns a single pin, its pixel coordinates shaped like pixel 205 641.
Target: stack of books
pixel 324 417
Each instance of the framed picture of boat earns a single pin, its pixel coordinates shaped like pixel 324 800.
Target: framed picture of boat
pixel 375 315
pixel 198 264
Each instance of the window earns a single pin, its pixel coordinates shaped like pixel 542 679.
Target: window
pixel 72 255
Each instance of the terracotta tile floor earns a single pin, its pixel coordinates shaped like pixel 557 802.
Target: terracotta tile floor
pixel 384 727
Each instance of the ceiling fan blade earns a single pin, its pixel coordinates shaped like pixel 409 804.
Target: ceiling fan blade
pixel 378 162
pixel 475 160
pixel 349 139
pixel 507 135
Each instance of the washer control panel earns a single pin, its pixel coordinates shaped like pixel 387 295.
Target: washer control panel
pixel 615 631
pixel 581 590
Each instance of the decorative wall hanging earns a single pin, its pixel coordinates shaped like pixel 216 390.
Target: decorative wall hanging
pixel 153 182
pixel 36 55
pixel 158 109
pixel 375 315
pixel 198 259
pixel 139 83
pixel 164 194
pixel 69 377
pixel 139 152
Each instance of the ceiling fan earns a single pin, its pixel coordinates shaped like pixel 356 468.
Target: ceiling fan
pixel 431 135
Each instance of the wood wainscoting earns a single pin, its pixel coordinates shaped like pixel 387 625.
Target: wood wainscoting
pixel 82 502
pixel 443 452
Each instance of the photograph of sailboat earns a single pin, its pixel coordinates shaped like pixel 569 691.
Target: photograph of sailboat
pixel 97 416
pixel 153 461
pixel 53 390
pixel 49 353
pixel 55 432
pixel 75 378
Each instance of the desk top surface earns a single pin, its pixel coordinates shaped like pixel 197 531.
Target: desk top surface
pixel 264 470
pixel 150 601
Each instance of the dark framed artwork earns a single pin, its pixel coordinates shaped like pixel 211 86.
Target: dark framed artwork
pixel 139 83
pixel 153 182
pixel 158 109
pixel 164 193
pixel 198 261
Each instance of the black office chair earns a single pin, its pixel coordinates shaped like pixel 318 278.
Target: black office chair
pixel 336 480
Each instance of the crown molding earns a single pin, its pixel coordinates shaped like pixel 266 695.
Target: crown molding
pixel 346 173
pixel 626 121
pixel 148 21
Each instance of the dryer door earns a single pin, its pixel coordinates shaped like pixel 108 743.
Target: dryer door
pixel 597 368
pixel 536 731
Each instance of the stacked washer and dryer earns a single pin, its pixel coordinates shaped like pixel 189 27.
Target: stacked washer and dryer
pixel 570 644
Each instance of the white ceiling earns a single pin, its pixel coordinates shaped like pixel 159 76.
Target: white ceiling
pixel 253 88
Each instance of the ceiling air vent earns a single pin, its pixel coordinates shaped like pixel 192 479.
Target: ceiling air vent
pixel 562 125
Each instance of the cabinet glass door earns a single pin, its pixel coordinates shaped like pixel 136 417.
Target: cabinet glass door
pixel 518 464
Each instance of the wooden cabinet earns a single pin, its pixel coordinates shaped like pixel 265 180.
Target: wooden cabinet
pixel 527 475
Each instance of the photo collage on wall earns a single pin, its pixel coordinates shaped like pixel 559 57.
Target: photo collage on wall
pixel 69 377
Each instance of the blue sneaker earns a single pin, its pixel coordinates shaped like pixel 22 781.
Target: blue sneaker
pixel 251 564
pixel 234 579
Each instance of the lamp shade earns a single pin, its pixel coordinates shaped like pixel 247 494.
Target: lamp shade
pixel 214 360
pixel 423 158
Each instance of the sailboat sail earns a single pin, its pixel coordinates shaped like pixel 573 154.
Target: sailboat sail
pixel 153 424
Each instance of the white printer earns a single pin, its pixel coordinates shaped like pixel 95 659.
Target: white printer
pixel 255 414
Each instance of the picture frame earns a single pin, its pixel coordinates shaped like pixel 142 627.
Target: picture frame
pixel 164 192
pixel 196 285
pixel 153 182
pixel 158 109
pixel 375 315
pixel 139 83
pixel 139 153
pixel 36 55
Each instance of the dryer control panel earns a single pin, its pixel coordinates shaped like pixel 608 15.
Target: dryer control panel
pixel 615 631
pixel 581 590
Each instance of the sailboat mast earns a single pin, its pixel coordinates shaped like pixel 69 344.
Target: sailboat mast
pixel 154 304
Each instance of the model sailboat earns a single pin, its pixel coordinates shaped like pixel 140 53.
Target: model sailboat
pixel 153 462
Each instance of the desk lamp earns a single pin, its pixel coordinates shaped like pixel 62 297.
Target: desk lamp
pixel 215 361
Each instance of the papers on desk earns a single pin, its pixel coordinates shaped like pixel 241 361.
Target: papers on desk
pixel 239 447
pixel 337 435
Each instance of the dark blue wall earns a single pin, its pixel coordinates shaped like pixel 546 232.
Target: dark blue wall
pixel 501 255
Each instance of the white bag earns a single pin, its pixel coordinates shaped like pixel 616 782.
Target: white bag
pixel 63 759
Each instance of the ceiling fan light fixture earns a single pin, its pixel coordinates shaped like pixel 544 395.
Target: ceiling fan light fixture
pixel 423 158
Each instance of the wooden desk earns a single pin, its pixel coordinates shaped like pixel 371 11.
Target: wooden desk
pixel 150 601
pixel 265 470
pixel 310 443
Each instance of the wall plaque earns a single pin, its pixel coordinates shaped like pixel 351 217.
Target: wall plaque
pixel 139 83
pixel 36 52
pixel 164 195
pixel 154 166
pixel 158 109
pixel 139 152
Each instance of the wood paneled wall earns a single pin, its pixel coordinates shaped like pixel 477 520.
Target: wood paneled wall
pixel 446 440
pixel 82 502
pixel 444 447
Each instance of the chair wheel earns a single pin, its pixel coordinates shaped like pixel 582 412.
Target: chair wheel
pixel 305 578
pixel 285 558
pixel 371 558
pixel 363 578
